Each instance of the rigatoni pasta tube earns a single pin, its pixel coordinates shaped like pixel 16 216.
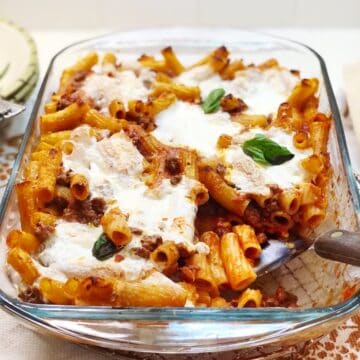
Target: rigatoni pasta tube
pixel 189 159
pixel 216 264
pixel 147 144
pixel 251 120
pixel 50 107
pixel 224 194
pixel 301 140
pixel 43 146
pixel 150 62
pixel 312 215
pixel 83 64
pixel 268 64
pixel 250 298
pixel 238 270
pixel 310 193
pixel 219 302
pixel 22 262
pixel 204 298
pixel 45 184
pixel 65 119
pixel 282 219
pixel 204 279
pixel 302 92
pixel 319 133
pixel 166 256
pixel 109 58
pixel 191 292
pixel 182 92
pixel 117 109
pixel 199 194
pixel 98 120
pixel 32 170
pixel 313 164
pixel 219 58
pixel 248 241
pixel 162 102
pixel 172 61
pixel 26 204
pixel 55 137
pixel 155 290
pixel 42 219
pixel 95 291
pixel 290 200
pixel 79 187
pixel 116 228
pixel 23 240
pixel 54 291
pixel 229 71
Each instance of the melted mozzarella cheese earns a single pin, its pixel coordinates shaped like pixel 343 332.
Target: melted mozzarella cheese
pixel 69 253
pixel 122 85
pixel 250 177
pixel 263 91
pixel 114 168
pixel 184 124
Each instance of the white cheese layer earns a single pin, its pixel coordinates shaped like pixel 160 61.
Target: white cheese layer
pixel 262 90
pixel 122 85
pixel 69 253
pixel 184 124
pixel 253 178
pixel 114 168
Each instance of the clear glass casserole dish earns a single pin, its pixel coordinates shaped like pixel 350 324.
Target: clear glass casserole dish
pixel 321 286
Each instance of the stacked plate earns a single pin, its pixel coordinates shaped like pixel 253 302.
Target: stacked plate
pixel 18 62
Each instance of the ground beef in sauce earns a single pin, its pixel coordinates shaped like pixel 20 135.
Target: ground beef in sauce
pixel 281 298
pixel 222 227
pixel 142 252
pixel 150 243
pixel 173 165
pixel 261 238
pixel 188 272
pixel 43 231
pixel 63 179
pixel 84 212
pixel 31 295
pixel 252 215
pixel 176 179
pixel 72 94
pixel 59 204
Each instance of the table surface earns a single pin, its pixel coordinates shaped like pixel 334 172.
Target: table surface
pixel 337 46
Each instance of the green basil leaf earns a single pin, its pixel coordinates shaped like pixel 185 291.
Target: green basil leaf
pixel 266 151
pixel 103 248
pixel 256 154
pixel 212 102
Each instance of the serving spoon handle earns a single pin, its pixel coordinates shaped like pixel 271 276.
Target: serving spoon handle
pixel 339 245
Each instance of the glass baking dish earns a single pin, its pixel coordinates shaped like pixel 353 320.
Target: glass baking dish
pixel 321 286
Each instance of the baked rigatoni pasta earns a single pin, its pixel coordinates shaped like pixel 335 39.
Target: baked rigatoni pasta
pixel 156 183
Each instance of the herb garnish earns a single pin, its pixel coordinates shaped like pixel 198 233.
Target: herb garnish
pixel 266 151
pixel 103 248
pixel 212 102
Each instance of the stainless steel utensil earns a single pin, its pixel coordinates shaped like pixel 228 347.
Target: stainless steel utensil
pixel 9 109
pixel 337 245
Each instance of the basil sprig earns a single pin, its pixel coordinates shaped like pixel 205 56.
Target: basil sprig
pixel 103 248
pixel 212 102
pixel 266 151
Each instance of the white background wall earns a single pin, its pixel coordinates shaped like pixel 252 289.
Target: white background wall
pixel 121 14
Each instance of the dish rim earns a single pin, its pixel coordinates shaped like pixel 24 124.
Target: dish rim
pixel 305 318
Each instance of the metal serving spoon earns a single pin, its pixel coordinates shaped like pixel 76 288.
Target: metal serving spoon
pixel 337 245
pixel 9 109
